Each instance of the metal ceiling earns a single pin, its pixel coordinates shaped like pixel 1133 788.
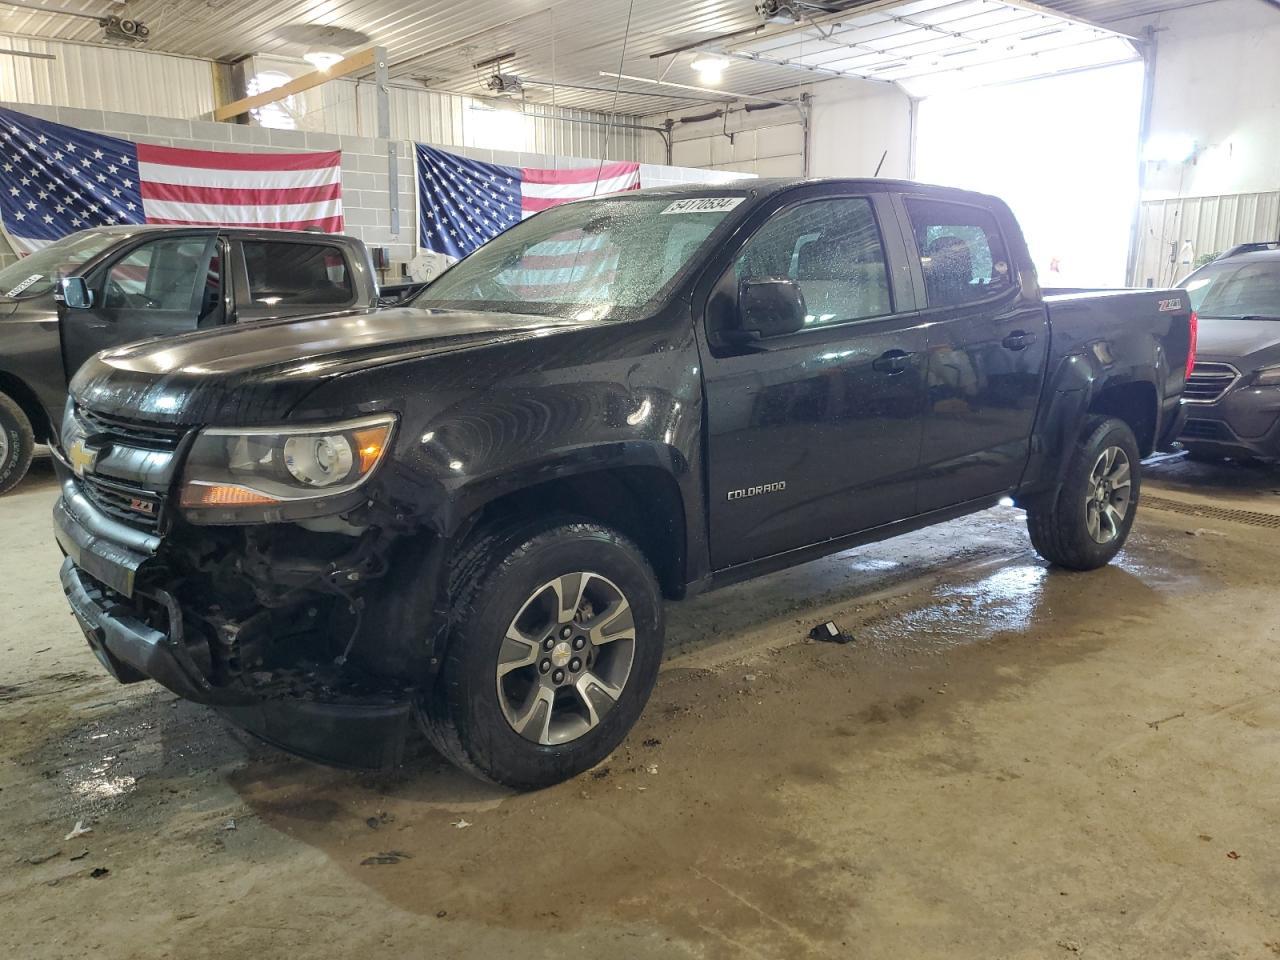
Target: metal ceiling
pixel 927 46
pixel 436 42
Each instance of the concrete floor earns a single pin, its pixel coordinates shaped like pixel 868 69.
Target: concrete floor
pixel 1010 762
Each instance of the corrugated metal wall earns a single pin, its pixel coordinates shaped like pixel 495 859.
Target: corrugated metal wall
pixel 1209 224
pixel 106 78
pixel 348 107
pixel 134 81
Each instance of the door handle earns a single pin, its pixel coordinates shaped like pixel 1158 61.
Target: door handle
pixel 892 362
pixel 1018 340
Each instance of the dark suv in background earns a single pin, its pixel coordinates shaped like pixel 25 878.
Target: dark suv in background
pixel 1234 391
pixel 132 283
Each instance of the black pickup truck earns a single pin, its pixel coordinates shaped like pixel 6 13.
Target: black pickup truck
pixel 135 282
pixel 471 508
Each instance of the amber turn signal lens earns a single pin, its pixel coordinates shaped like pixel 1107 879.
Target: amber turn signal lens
pixel 198 494
pixel 371 442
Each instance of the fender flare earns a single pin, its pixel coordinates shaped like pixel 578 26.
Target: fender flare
pixel 1078 380
pixel 475 493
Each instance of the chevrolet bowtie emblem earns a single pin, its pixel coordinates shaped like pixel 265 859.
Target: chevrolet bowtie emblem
pixel 81 457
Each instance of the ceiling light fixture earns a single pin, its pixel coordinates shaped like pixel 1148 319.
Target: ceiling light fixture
pixel 322 60
pixel 710 69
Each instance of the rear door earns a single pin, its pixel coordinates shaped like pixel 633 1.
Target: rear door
pixel 291 277
pixel 162 287
pixel 816 434
pixel 987 343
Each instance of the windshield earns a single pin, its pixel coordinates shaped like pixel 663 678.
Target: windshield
pixel 38 273
pixel 1235 289
pixel 609 257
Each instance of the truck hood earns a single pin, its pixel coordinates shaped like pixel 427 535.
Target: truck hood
pixel 256 373
pixel 1248 344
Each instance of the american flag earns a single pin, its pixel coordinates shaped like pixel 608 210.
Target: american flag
pixel 464 203
pixel 55 180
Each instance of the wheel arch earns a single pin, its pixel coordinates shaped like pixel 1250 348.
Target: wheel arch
pixel 1080 387
pixel 1136 403
pixel 642 501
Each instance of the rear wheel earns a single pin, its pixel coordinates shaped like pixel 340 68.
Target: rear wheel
pixel 17 444
pixel 556 644
pixel 1087 523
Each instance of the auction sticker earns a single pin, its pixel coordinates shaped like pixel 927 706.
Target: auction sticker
pixel 704 205
pixel 24 284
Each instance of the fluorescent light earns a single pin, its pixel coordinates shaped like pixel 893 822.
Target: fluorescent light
pixel 710 69
pixel 322 60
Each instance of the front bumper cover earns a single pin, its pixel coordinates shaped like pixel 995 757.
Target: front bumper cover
pixel 98 578
pixel 1245 421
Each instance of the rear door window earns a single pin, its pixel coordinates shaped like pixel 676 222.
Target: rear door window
pixel 962 254
pixel 284 273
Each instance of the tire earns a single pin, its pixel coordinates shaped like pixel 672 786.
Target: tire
pixel 1066 529
pixel 17 444
pixel 552 713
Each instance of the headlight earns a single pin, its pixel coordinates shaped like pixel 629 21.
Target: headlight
pixel 1268 377
pixel 276 466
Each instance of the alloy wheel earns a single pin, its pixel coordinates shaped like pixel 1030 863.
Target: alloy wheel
pixel 1109 495
pixel 566 658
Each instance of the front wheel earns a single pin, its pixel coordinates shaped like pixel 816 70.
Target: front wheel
pixel 555 647
pixel 1087 523
pixel 17 444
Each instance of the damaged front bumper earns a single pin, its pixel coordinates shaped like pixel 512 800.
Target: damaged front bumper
pixel 139 634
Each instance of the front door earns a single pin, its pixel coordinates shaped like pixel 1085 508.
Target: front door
pixel 816 434
pixel 163 287
pixel 987 347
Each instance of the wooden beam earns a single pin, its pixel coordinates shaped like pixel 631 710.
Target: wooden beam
pixel 352 64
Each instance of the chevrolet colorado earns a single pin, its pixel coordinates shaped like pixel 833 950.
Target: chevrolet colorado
pixel 134 282
pixel 471 508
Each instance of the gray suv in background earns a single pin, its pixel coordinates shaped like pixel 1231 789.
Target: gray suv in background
pixel 1233 393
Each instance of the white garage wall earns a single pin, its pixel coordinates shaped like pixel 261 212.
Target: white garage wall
pixel 1217 80
pixel 766 142
pixel 852 124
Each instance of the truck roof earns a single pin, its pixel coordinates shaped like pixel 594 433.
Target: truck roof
pixel 768 186
pixel 139 229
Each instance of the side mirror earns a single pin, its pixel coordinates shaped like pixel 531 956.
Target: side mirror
pixel 75 293
pixel 770 307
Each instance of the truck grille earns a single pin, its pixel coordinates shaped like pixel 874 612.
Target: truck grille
pixel 139 500
pixel 130 433
pixel 124 501
pixel 1209 381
